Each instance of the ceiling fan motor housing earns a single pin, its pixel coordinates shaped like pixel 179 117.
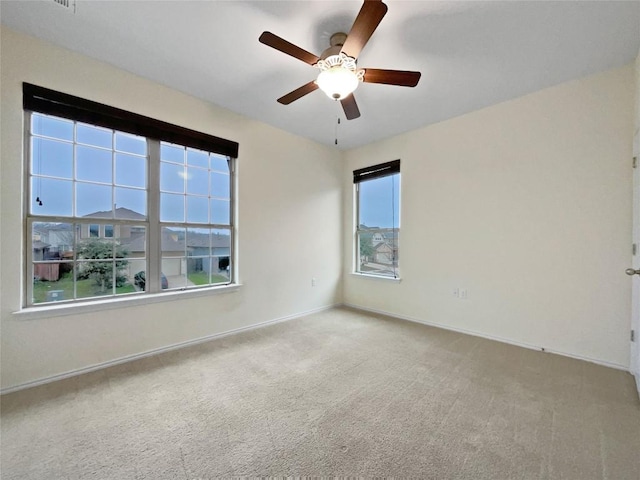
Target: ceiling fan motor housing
pixel 336 41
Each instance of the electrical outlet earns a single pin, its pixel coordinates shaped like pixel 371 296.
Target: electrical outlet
pixel 313 281
pixel 456 292
pixel 463 293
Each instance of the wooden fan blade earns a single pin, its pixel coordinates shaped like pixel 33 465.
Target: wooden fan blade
pixel 298 93
pixel 289 48
pixel 350 107
pixel 366 22
pixel 401 78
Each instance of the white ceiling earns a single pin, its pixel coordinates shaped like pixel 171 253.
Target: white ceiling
pixel 471 54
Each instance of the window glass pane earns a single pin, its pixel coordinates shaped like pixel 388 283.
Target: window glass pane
pixel 103 267
pixel 221 270
pixel 378 226
pixel 198 252
pixel 131 170
pixel 55 197
pixel 171 208
pixel 197 158
pixel 94 230
pixel 173 241
pixel 108 231
pixel 380 202
pixel 198 242
pixel 197 209
pixel 52 241
pixel 94 278
pixel 220 212
pixel 99 137
pixel 132 240
pixel 51 127
pixel 219 163
pixel 93 164
pixel 93 200
pixel 174 262
pixel 378 251
pixel 198 271
pixel 220 185
pixel 221 251
pixel 51 158
pixel 126 142
pixel 221 242
pixel 197 181
pixel 131 204
pixel 171 153
pixel 172 178
pixel 52 281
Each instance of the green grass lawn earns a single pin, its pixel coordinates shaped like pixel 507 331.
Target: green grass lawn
pixel 202 278
pixel 85 289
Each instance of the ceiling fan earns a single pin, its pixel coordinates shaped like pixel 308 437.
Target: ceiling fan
pixel 339 76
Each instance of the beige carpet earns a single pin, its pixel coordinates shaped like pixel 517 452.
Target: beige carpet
pixel 336 393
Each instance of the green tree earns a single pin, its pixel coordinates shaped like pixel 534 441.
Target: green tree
pixel 366 249
pixel 102 272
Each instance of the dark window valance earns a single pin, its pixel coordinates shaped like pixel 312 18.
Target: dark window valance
pixel 44 100
pixel 376 171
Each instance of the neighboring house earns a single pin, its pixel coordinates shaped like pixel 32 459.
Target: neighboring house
pixel 55 242
pixel 383 254
pixel 377 238
pixel 58 238
pixel 110 231
pixel 384 242
pixel 52 241
pixel 40 250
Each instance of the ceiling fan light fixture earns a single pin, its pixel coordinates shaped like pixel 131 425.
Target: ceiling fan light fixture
pixel 337 82
pixel 338 77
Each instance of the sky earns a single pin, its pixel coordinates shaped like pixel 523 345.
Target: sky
pixel 104 170
pixel 380 202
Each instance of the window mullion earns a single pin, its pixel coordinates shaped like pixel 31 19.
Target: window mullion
pixel 27 226
pixel 356 200
pixel 154 256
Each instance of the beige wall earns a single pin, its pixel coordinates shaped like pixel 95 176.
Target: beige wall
pixel 290 196
pixel 635 347
pixel 527 205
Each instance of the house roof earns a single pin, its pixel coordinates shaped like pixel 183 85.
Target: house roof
pixel 121 213
pixel 172 241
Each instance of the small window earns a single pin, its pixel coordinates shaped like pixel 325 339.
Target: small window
pixel 378 219
pixel 108 231
pixel 94 230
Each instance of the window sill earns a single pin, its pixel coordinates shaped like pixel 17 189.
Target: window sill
pixel 377 277
pixel 52 310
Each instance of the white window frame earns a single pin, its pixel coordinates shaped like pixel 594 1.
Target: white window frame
pixel 360 176
pixel 152 223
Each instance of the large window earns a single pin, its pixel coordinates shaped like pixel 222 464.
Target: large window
pixel 121 204
pixel 378 219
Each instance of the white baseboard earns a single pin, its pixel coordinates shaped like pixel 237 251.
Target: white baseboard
pixel 156 351
pixel 492 337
